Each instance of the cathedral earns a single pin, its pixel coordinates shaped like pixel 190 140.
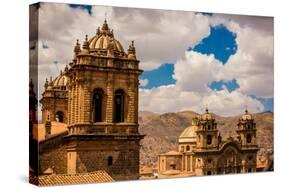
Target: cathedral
pixel 203 152
pixel 90 124
pixel 90 112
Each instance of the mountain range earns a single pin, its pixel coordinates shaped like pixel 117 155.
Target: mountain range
pixel 162 131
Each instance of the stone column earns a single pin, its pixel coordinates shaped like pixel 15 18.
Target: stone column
pixel 87 105
pixel 109 99
pixel 80 102
pixel 71 162
pixel 76 108
pixel 131 103
pixel 191 163
pixel 69 106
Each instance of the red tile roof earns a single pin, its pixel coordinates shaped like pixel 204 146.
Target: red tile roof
pixel 65 179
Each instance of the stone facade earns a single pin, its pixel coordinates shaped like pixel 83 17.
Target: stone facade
pixel 203 152
pixel 97 96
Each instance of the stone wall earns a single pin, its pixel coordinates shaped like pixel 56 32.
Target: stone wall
pixel 94 155
pixel 53 155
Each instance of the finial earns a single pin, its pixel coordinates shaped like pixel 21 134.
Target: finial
pixel 246 109
pixel 60 72
pixel 77 47
pixel 105 26
pixel 207 110
pixel 46 83
pixel 86 43
pixel 133 43
pixel 66 68
pixel 98 31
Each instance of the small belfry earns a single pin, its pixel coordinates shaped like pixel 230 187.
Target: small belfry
pixel 97 97
pixel 207 133
pixel 246 130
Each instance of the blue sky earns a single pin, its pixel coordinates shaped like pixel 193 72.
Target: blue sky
pixel 222 44
pixel 88 8
pixel 159 76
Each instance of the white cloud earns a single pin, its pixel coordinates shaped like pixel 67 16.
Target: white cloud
pixel 143 82
pixel 252 65
pixel 196 71
pixel 161 36
pixel 191 92
pixel 225 103
pixel 167 99
pixel 173 99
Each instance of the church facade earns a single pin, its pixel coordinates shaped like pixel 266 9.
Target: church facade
pixel 95 101
pixel 203 152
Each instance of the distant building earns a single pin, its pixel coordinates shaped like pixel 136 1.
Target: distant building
pixel 90 112
pixel 203 152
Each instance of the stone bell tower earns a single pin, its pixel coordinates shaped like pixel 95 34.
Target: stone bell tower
pixel 246 130
pixel 207 133
pixel 103 107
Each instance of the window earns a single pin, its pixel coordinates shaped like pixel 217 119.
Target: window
pixel 249 138
pixel 59 116
pixel 119 106
pixel 249 169
pixel 208 126
pixel 209 139
pixel 109 161
pixel 97 104
pixel 209 161
pixel 187 148
pixel 250 158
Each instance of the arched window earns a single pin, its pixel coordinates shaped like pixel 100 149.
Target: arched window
pixel 119 105
pixel 59 116
pixel 187 148
pixel 250 158
pixel 209 139
pixel 249 138
pixel 109 161
pixel 97 105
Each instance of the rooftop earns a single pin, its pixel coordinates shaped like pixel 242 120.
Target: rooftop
pixel 65 179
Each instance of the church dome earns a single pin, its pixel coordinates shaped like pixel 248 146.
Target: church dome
pixel 189 134
pixel 60 82
pixel 105 40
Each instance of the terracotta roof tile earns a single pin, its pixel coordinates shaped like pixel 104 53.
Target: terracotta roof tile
pixel 65 179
